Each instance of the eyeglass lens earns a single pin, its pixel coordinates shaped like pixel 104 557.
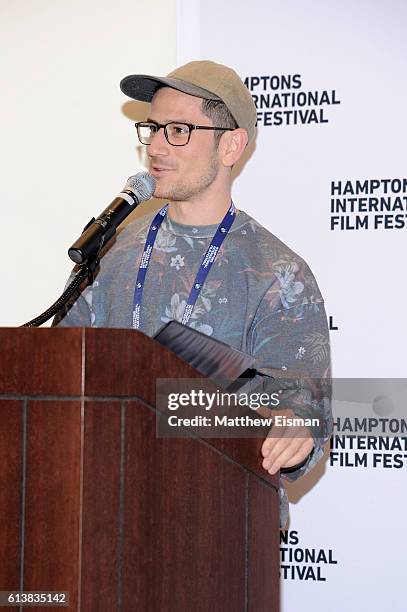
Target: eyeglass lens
pixel 176 133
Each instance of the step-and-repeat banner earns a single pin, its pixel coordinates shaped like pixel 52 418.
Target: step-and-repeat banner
pixel 328 176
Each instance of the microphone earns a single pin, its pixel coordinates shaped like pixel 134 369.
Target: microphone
pixel 98 232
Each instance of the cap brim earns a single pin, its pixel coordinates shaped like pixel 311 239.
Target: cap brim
pixel 143 87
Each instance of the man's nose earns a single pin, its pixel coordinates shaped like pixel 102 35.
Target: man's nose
pixel 158 144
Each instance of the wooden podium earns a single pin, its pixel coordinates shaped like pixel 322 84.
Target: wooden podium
pixel 93 503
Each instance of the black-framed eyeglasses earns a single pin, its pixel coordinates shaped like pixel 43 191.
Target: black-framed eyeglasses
pixel 177 134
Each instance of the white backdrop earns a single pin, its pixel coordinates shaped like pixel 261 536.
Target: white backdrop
pixel 67 141
pixel 344 548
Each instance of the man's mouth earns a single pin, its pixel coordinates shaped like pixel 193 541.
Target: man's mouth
pixel 158 171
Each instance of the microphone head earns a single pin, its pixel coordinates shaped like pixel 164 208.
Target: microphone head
pixel 142 185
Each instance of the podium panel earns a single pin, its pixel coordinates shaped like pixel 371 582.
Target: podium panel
pixel 93 503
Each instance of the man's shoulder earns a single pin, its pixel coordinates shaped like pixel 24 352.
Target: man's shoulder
pixel 264 242
pixel 271 258
pixel 131 236
pixel 136 227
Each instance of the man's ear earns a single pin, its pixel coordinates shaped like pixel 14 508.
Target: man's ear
pixel 231 146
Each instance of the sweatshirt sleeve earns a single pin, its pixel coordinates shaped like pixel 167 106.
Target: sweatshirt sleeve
pixel 291 348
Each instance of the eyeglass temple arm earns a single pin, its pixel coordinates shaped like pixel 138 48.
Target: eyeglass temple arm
pixel 205 127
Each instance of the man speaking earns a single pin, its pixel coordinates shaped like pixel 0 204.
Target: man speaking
pixel 257 295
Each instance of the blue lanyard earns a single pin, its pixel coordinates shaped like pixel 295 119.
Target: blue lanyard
pixel 203 271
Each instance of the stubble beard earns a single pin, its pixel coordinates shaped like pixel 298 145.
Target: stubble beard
pixel 182 192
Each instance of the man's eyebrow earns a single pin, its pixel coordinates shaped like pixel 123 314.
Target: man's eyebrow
pixel 170 121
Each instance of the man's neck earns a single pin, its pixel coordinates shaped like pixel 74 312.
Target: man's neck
pixel 199 212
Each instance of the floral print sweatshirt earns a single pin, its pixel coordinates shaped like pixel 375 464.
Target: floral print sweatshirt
pixel 259 297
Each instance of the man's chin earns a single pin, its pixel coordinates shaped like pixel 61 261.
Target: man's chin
pixel 162 194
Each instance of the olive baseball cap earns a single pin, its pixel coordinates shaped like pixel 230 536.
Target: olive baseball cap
pixel 203 79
